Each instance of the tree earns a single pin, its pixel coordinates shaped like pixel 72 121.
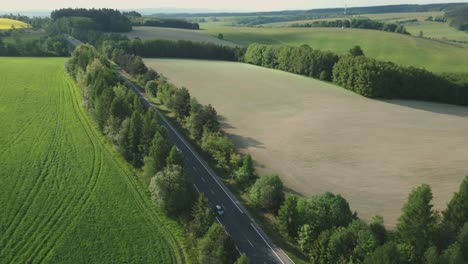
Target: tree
pixel 171 189
pixel 267 193
pixel 220 147
pixel 181 105
pixel 152 88
pixel 175 157
pixel 457 208
pixel 421 34
pixel 134 139
pixel 356 51
pixel 220 36
pixel 386 254
pixel 159 149
pixel 202 216
pixel 287 217
pixel 324 212
pixel 246 172
pixel 305 238
pixel 216 247
pixel 124 140
pixel 378 229
pixel 243 259
pixel 319 250
pixel 417 223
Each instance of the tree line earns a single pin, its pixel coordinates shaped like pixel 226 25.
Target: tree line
pixel 363 75
pixel 362 23
pixel 457 17
pixel 138 20
pixel 103 19
pixel 142 140
pixel 20 45
pixel 177 49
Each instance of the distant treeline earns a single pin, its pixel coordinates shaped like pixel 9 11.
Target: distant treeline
pixel 458 17
pixel 138 20
pixel 180 49
pixel 104 19
pixel 364 76
pixel 363 23
pixel 46 46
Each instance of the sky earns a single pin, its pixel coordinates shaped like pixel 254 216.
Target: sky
pixel 245 5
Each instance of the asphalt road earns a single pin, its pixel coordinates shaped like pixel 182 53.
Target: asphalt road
pixel 248 237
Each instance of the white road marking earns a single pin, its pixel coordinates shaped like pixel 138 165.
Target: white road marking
pixel 212 192
pixel 203 179
pixel 240 253
pixel 250 243
pixel 219 222
pixel 267 243
pixel 196 188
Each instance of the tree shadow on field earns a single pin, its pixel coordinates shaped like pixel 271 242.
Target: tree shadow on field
pixel 291 191
pixel 438 108
pixel 224 123
pixel 242 142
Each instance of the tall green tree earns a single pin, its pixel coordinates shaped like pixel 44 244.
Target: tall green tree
pixel 159 149
pixel 243 259
pixel 216 247
pixel 134 139
pixel 457 208
pixel 287 217
pixel 417 223
pixel 181 104
pixel 175 157
pixel 267 193
pixel 171 189
pixel 202 216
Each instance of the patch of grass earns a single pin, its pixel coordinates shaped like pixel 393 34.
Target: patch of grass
pixel 433 55
pixel 6 23
pixel 66 195
pixel 319 137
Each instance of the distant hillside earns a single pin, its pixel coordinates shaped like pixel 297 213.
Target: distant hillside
pixel 352 10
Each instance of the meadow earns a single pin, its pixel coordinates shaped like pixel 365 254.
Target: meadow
pixel 437 56
pixel 319 137
pixel 6 23
pixel 175 34
pixel 66 195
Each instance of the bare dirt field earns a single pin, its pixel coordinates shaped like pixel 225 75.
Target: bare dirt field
pixel 175 34
pixel 319 137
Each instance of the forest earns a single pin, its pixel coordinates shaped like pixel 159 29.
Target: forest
pixel 138 20
pixel 458 17
pixel 103 19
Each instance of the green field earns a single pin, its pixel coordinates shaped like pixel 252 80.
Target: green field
pixel 175 34
pixel 6 23
pixel 320 137
pixel 433 55
pixel 66 196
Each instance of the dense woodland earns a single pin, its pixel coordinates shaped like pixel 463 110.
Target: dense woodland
pixel 45 46
pixel 138 20
pixel 362 75
pixel 458 17
pixel 363 23
pixel 103 19
pixel 178 49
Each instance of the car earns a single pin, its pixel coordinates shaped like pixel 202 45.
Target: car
pixel 219 210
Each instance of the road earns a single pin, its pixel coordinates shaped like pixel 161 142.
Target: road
pixel 248 237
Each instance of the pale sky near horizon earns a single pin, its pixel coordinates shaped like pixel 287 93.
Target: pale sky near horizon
pixel 247 5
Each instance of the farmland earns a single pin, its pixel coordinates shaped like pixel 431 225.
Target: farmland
pixel 174 34
pixel 6 23
pixel 433 55
pixel 319 137
pixel 66 196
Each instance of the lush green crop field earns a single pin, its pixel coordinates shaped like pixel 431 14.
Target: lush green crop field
pixel 6 23
pixel 320 137
pixel 407 50
pixel 175 34
pixel 66 196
